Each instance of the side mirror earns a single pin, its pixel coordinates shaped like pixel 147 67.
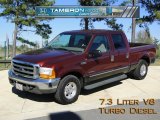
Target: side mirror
pixel 95 54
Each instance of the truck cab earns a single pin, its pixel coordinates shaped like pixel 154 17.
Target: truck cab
pixel 80 59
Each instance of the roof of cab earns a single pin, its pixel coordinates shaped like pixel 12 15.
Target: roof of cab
pixel 91 31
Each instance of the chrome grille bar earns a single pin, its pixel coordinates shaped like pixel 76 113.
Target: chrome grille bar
pixel 22 71
pixel 25 69
pixel 24 75
pixel 23 66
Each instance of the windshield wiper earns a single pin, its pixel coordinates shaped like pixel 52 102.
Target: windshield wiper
pixel 49 47
pixel 61 49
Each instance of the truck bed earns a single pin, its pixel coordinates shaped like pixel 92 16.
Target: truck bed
pixel 137 44
pixel 137 50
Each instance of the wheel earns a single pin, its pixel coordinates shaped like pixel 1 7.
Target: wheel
pixel 68 90
pixel 141 71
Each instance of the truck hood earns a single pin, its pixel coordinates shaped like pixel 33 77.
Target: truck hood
pixel 44 55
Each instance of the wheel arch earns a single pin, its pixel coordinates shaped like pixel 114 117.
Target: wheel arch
pixel 77 74
pixel 146 58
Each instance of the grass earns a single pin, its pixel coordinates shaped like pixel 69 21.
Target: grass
pixel 4 67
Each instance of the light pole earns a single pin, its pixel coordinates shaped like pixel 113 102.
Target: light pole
pixel 133 25
pixel 7 46
pixel 5 52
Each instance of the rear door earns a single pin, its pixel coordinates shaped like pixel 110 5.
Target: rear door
pixel 120 55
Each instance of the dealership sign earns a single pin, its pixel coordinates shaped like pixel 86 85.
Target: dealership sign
pixel 88 11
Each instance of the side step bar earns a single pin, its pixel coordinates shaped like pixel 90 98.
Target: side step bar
pixel 107 81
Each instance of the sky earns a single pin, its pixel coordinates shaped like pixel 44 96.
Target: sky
pixel 59 25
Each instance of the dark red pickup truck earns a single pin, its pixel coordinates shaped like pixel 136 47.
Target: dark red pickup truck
pixel 80 59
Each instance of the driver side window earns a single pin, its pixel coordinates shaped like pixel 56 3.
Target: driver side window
pixel 100 43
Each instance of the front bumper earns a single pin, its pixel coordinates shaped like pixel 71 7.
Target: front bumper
pixel 38 86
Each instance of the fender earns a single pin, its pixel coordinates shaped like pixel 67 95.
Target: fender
pixel 146 57
pixel 75 69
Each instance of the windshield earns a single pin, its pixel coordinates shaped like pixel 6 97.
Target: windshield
pixel 70 42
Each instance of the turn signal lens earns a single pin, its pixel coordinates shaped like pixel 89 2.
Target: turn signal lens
pixel 47 73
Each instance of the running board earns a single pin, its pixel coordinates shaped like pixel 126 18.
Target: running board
pixel 107 81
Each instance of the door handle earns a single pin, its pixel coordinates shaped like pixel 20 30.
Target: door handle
pixel 112 58
pixel 127 55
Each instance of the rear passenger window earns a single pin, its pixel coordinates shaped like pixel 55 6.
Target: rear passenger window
pixel 118 41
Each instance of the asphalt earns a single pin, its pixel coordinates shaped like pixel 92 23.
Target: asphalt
pixel 18 105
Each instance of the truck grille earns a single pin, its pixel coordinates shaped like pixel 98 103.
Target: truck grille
pixel 25 69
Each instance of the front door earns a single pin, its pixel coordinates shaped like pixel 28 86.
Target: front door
pixel 97 66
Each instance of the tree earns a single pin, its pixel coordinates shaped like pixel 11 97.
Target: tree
pixel 156 43
pixel 133 3
pixel 22 40
pixel 87 23
pixel 151 6
pixel 113 25
pixel 153 9
pixel 22 14
pixel 144 36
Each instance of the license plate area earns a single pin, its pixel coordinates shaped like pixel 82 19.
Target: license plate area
pixel 19 86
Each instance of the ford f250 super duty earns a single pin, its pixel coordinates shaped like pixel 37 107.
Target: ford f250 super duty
pixel 80 59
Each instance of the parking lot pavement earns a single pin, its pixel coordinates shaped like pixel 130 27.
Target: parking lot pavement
pixel 94 114
pixel 17 105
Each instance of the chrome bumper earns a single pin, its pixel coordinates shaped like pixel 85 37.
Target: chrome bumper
pixel 38 86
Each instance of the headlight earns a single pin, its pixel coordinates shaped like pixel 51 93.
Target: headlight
pixel 47 73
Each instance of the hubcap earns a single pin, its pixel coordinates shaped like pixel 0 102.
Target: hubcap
pixel 70 90
pixel 143 70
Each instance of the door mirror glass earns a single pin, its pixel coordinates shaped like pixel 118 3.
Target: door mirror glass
pixel 95 54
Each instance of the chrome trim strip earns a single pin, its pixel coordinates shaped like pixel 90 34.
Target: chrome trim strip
pixel 108 71
pixel 104 82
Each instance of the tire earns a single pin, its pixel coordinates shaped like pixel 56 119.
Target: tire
pixel 141 70
pixel 68 90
